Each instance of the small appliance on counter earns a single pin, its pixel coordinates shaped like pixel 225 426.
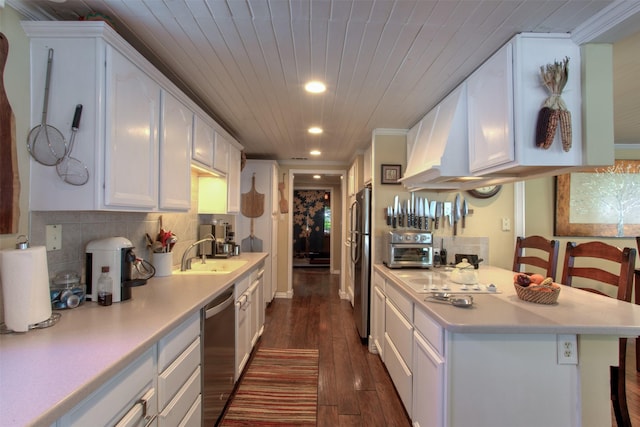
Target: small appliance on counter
pixel 116 253
pixel 24 275
pixel 407 249
pixel 223 247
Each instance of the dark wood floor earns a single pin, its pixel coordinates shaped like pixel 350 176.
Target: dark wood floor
pixel 354 387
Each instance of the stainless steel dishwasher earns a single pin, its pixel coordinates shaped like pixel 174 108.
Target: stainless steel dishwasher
pixel 218 356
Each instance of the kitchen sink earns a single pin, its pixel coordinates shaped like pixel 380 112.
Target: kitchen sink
pixel 214 266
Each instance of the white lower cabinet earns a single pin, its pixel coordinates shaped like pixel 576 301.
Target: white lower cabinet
pixel 160 388
pixel 118 398
pixel 428 384
pixel 378 319
pixel 250 314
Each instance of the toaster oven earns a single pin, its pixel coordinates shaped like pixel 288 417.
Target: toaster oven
pixel 407 249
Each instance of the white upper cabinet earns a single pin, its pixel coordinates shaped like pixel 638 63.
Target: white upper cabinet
pixel 504 97
pixel 204 139
pixel 221 154
pixel 136 131
pixel 175 151
pixel 131 145
pixel 233 180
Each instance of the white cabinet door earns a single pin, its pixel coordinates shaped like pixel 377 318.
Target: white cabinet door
pixel 221 154
pixel 243 324
pixel 490 112
pixel 428 384
pixel 175 153
pixel 255 305
pixel 131 146
pixel 204 137
pixel 378 320
pixel 233 180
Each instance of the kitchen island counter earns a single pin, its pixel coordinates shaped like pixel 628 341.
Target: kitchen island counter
pixel 502 361
pixel 576 312
pixel 44 373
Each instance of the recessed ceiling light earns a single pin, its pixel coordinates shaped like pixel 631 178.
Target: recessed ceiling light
pixel 315 87
pixel 316 177
pixel 315 152
pixel 315 130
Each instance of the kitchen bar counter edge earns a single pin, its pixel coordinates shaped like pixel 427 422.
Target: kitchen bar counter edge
pixel 577 311
pixel 45 373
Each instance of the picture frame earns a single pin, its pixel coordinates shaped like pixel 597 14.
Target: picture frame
pixel 391 174
pixel 599 202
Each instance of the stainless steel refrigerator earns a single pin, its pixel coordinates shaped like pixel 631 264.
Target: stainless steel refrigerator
pixel 360 237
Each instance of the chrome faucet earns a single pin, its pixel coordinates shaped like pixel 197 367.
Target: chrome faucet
pixel 185 264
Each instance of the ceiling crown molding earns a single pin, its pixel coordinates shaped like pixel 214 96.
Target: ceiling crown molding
pixel 614 22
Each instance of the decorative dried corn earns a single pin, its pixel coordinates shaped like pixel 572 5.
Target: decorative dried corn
pixel 546 127
pixel 565 129
pixel 554 78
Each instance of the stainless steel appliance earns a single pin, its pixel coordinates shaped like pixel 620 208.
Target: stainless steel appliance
pixel 218 356
pixel 360 238
pixel 116 253
pixel 407 249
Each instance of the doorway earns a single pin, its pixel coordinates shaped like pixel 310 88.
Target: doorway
pixel 312 221
pixel 324 244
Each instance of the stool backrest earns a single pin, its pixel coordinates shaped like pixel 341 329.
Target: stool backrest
pixel 579 262
pixel 537 251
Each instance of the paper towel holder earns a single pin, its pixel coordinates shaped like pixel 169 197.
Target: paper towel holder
pixel 22 243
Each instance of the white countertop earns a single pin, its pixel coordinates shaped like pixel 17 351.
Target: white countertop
pixel 576 312
pixel 44 373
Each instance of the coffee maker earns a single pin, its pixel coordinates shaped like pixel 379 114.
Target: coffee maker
pixel 116 253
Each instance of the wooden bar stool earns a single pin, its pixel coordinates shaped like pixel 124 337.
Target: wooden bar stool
pixel 545 258
pixel 624 261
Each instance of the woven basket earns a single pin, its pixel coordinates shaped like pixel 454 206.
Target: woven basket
pixel 539 297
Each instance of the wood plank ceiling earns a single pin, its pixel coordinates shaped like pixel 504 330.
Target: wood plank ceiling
pixel 385 62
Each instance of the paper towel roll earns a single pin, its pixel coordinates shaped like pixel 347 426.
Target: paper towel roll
pixel 24 275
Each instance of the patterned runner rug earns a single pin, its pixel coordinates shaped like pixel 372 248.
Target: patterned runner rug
pixel 280 387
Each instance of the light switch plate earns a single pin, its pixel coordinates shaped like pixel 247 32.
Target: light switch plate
pixel 54 237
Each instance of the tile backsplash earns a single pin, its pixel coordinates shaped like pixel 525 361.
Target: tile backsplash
pixel 79 228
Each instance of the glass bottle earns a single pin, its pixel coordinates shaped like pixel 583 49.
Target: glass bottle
pixel 105 287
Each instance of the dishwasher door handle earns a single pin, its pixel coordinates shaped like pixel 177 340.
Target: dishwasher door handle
pixel 210 312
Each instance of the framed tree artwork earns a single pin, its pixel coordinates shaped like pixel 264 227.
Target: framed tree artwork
pixel 602 202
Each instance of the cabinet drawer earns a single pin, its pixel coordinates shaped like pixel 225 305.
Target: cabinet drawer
pixel 400 300
pixel 115 398
pixel 400 331
pixel 194 416
pixel 174 377
pixel 170 347
pixel 433 332
pixel 400 374
pixel 181 403
pixel 136 415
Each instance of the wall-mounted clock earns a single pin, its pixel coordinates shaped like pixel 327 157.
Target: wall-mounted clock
pixel 485 192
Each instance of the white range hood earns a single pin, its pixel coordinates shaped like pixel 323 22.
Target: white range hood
pixel 438 150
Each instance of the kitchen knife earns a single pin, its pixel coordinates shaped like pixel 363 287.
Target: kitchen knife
pixel 388 215
pixel 412 211
pixel 447 212
pixel 425 213
pixel 396 206
pixel 465 211
pixel 438 214
pixel 419 214
pixel 432 211
pixel 457 211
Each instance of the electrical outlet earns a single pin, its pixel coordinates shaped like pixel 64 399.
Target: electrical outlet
pixel 506 224
pixel 567 349
pixel 54 237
